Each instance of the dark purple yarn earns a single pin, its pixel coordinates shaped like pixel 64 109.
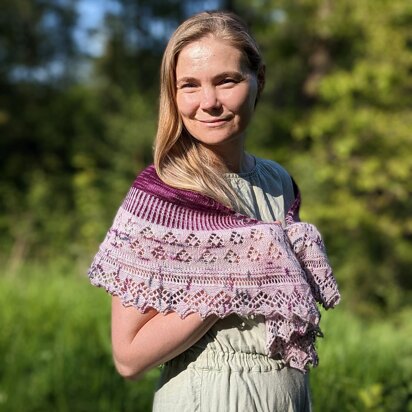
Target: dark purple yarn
pixel 148 181
pixel 150 198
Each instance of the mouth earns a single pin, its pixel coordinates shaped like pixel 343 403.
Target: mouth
pixel 214 122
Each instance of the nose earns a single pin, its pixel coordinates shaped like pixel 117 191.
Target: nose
pixel 209 99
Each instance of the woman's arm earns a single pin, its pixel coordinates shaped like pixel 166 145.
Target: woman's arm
pixel 142 341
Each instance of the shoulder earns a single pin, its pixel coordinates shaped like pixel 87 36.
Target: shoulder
pixel 273 169
pixel 273 172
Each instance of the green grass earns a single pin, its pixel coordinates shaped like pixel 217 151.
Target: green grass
pixel 56 355
pixel 55 346
pixel 364 365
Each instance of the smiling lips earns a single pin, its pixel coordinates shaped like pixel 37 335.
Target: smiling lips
pixel 214 121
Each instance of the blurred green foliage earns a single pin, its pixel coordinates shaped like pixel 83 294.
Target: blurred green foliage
pixel 336 111
pixel 76 128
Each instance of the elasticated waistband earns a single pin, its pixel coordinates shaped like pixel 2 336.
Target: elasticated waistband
pixel 210 359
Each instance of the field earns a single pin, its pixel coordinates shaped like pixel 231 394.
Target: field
pixel 55 352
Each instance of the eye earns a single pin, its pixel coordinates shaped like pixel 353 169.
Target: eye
pixel 188 85
pixel 228 80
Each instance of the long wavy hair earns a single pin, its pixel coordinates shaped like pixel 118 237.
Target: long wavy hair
pixel 180 160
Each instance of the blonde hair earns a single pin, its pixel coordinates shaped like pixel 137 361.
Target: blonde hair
pixel 179 159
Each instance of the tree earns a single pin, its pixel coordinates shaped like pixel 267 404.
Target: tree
pixel 35 67
pixel 337 112
pixel 72 142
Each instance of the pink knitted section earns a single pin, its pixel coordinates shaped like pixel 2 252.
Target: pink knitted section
pixel 172 256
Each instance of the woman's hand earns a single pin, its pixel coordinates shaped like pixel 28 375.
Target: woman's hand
pixel 142 341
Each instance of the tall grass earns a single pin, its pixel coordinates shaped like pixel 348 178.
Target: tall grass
pixel 55 347
pixel 364 365
pixel 56 355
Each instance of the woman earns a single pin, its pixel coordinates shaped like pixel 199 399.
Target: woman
pixel 225 300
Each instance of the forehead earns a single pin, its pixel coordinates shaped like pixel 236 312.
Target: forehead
pixel 209 54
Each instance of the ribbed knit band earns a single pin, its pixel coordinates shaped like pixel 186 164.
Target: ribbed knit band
pixel 176 250
pixel 152 200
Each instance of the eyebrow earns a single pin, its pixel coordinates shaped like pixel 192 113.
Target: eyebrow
pixel 235 74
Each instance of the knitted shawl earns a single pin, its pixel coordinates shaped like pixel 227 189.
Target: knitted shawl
pixel 178 250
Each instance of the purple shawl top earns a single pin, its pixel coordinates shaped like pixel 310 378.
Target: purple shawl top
pixel 178 250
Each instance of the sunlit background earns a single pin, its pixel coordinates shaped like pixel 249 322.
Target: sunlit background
pixel 78 112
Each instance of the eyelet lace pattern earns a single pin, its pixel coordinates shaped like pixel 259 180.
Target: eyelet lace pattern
pixel 169 253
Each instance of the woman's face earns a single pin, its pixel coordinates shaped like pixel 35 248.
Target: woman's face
pixel 216 91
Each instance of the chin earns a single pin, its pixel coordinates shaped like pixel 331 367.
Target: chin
pixel 216 141
pixel 214 138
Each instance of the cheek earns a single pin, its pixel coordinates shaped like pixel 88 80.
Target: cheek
pixel 243 102
pixel 186 103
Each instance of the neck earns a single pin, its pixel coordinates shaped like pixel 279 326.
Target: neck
pixel 233 158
